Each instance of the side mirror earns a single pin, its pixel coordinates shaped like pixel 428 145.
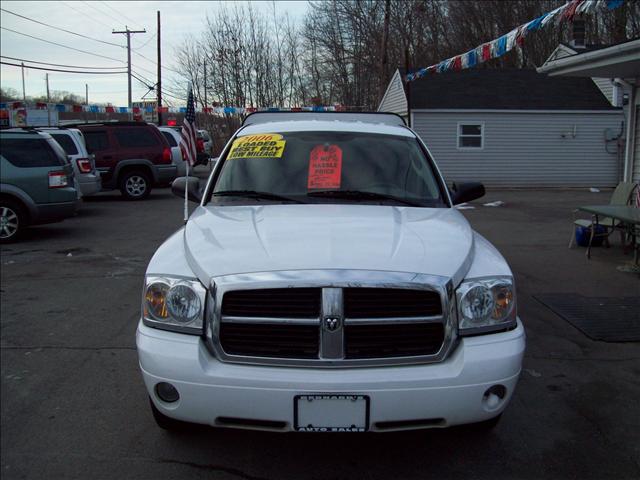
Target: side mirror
pixel 192 184
pixel 465 192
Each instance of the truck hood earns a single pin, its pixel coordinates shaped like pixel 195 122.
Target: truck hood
pixel 232 240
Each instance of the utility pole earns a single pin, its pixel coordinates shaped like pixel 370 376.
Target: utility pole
pixel 24 94
pixel 86 94
pixel 48 99
pixel 159 74
pixel 128 33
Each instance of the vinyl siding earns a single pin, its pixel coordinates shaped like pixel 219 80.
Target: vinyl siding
pixel 394 100
pixel 524 149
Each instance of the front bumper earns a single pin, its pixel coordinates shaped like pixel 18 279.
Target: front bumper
pixel 412 396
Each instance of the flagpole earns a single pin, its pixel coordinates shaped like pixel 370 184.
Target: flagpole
pixel 188 145
pixel 186 196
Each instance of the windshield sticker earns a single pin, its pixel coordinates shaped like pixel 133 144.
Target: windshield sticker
pixel 325 167
pixel 265 145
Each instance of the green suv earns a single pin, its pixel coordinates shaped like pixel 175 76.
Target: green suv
pixel 36 182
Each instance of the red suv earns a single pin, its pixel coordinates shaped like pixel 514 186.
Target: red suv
pixel 130 156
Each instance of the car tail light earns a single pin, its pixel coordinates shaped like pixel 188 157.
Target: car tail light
pixel 200 145
pixel 58 179
pixel 166 155
pixel 84 165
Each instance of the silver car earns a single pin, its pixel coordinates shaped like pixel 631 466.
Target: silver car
pixel 72 141
pixel 173 137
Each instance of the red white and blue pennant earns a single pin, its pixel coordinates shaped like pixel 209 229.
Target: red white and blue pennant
pixel 499 46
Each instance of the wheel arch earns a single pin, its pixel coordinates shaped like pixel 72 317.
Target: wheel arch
pixel 18 195
pixel 136 164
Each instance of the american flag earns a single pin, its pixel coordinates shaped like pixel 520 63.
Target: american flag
pixel 188 138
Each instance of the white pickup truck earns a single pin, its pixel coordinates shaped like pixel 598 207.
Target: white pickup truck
pixel 326 282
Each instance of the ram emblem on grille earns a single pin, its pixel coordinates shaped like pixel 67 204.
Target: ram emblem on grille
pixel 332 323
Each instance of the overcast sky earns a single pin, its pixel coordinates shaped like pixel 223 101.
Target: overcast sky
pixel 97 19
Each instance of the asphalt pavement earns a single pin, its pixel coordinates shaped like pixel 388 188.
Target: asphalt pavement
pixel 73 404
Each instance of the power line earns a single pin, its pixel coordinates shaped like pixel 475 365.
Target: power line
pixel 57 64
pixel 154 62
pixel 150 85
pixel 100 11
pixel 122 15
pixel 86 14
pixel 62 29
pixel 58 70
pixel 145 43
pixel 143 77
pixel 146 82
pixel 61 45
pixel 145 70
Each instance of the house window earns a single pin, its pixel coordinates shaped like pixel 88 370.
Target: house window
pixel 470 135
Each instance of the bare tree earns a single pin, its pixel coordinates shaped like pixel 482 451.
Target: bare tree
pixel 345 51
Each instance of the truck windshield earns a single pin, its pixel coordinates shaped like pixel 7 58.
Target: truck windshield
pixel 327 167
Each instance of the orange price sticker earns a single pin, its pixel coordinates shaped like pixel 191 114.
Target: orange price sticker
pixel 325 167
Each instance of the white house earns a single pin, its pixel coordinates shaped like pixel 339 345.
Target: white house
pixel 617 66
pixel 513 127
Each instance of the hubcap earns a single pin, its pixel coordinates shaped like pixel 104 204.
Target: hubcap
pixel 8 222
pixel 136 185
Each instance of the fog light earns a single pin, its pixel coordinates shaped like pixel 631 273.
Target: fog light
pixel 167 392
pixel 494 396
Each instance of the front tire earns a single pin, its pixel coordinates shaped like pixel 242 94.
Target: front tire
pixel 135 185
pixel 12 220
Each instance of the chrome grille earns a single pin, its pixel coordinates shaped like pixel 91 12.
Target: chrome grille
pixel 270 340
pixel 309 321
pixel 273 302
pixel 392 340
pixel 390 302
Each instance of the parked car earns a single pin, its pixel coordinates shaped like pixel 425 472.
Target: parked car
pixel 203 147
pixel 84 168
pixel 130 156
pixel 207 143
pixel 36 182
pixel 173 138
pixel 325 282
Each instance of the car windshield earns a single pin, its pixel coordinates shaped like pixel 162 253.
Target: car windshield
pixel 327 167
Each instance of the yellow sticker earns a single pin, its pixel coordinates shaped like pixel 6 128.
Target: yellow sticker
pixel 264 145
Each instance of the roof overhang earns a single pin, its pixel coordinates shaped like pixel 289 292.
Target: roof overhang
pixel 617 61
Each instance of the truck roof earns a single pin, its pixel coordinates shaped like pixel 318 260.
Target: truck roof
pixel 325 126
pixel 366 117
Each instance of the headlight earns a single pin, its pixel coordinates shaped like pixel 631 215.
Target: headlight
pixel 174 304
pixel 486 304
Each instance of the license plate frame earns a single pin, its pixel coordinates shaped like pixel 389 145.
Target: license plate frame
pixel 327 399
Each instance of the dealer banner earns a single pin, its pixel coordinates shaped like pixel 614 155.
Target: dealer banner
pixel 265 145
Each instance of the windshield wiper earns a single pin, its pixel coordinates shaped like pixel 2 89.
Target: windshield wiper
pixel 255 194
pixel 359 195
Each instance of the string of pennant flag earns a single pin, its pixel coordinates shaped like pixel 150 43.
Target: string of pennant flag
pixel 498 47
pixel 154 109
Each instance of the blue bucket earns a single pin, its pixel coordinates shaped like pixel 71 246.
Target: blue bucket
pixel 583 234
